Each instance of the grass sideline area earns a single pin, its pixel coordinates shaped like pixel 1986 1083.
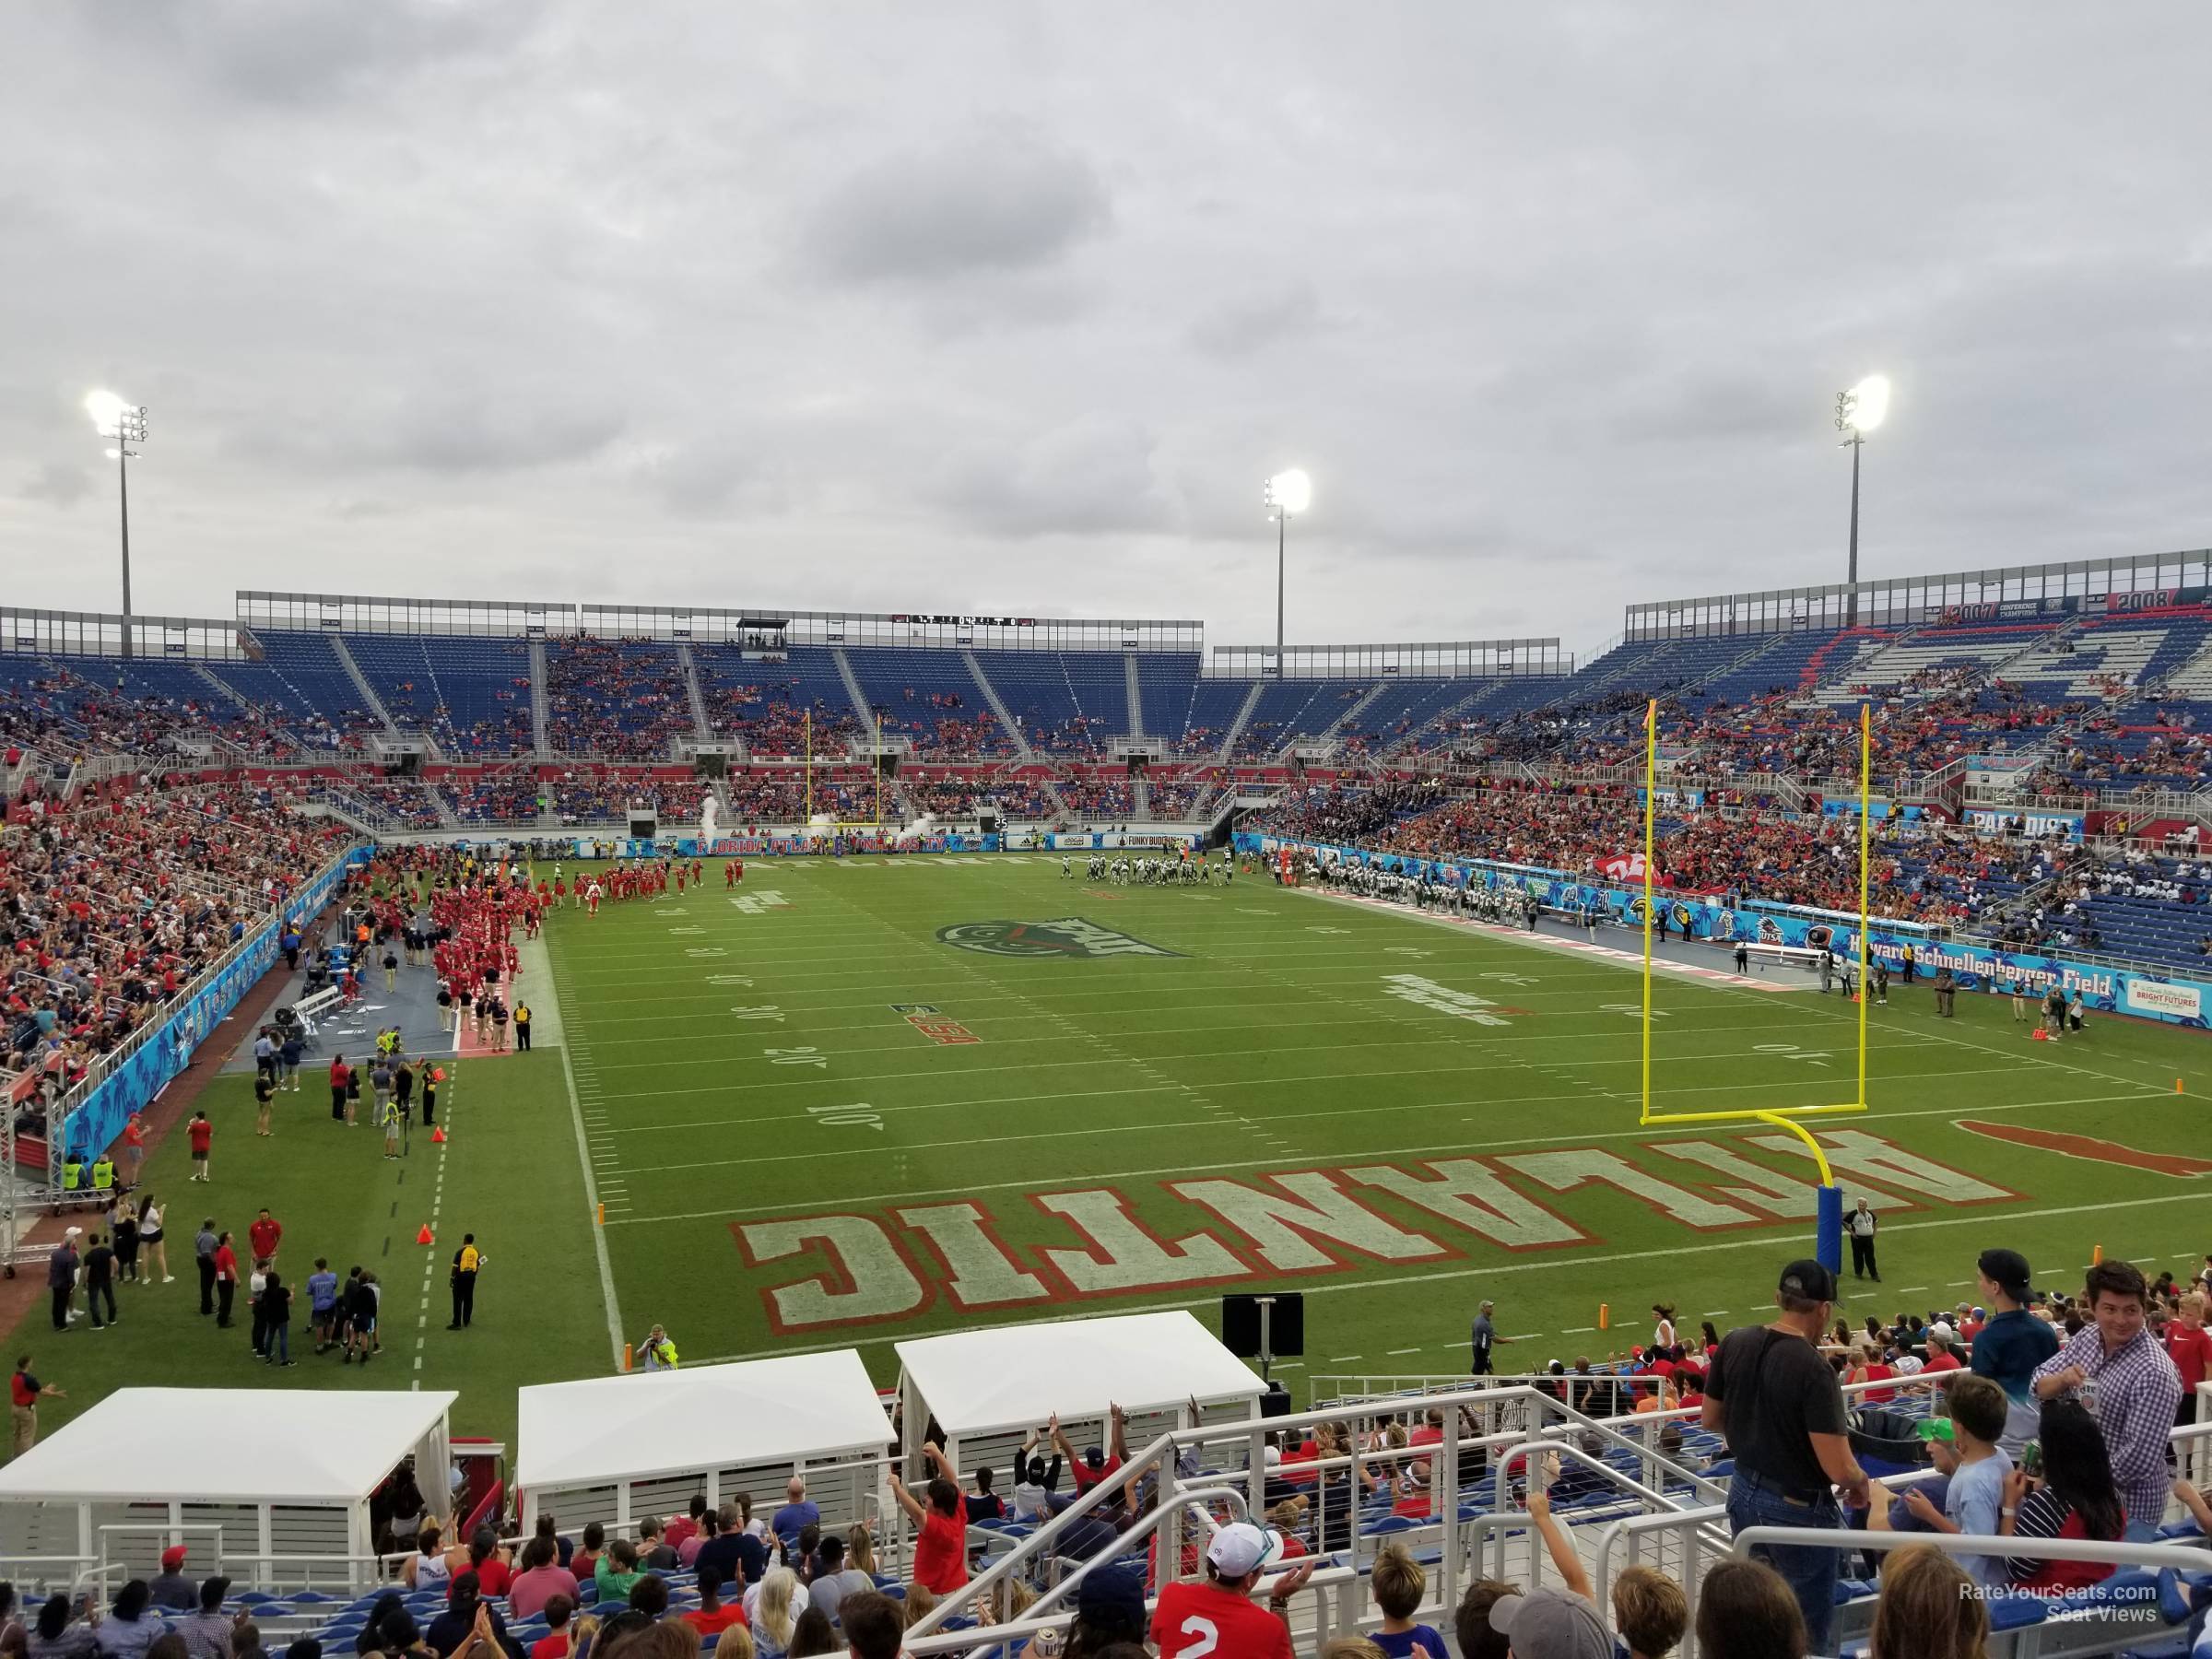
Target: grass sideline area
pixel 859 1101
pixel 510 1176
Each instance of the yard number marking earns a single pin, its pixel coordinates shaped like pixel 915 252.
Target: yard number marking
pixel 859 1115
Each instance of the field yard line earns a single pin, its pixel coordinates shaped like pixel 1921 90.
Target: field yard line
pixel 711 993
pixel 1412 1071
pixel 980 1140
pixel 591 1197
pixel 1024 1100
pixel 1397 1040
pixel 1365 1016
pixel 1321 993
pixel 1366 1155
pixel 1500 1271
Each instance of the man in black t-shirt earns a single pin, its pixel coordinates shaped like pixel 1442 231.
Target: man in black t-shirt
pixel 1781 1408
pixel 99 1281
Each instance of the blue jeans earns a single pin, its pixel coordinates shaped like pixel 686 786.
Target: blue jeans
pixel 1809 1571
pixel 280 1344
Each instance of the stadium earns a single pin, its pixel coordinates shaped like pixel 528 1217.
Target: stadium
pixel 994 1130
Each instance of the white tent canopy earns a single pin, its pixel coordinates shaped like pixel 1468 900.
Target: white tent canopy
pixel 228 1446
pixel 1009 1377
pixel 604 1429
pixel 258 1483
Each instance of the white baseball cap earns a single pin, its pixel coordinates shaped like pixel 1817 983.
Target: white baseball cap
pixel 1240 1546
pixel 1271 1455
pixel 72 1233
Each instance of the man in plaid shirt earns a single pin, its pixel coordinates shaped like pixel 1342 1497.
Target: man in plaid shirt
pixel 2120 1372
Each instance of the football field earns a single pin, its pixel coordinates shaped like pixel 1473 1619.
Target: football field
pixel 864 1099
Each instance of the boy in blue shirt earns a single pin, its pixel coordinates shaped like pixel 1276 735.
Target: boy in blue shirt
pixel 322 1299
pixel 1975 1503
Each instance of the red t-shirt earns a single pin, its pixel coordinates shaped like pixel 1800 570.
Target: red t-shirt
pixel 492 1577
pixel 338 1070
pixel 1940 1362
pixel 941 1552
pixel 264 1236
pixel 554 1646
pixel 226 1262
pixel 201 1133
pixel 1195 1621
pixel 721 1619
pixel 2191 1352
pixel 1085 1476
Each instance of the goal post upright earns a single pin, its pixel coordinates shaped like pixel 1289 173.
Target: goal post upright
pixel 1828 1230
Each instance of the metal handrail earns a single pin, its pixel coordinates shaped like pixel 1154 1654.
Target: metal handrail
pixel 2183 1558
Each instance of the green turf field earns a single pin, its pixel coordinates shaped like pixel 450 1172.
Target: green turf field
pixel 790 1160
pixel 815 1118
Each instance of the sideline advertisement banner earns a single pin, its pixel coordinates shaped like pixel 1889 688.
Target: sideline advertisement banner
pixel 1100 841
pixel 793 845
pixel 99 1119
pixel 2144 992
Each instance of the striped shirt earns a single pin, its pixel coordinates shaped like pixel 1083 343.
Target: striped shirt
pixel 2133 1396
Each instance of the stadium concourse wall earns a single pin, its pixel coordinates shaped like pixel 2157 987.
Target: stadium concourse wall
pixel 162 1051
pixel 2109 988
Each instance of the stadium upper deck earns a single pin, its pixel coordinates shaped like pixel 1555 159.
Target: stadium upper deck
pixel 2095 676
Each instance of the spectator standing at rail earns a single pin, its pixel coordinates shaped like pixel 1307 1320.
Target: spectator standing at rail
pixel 1778 1404
pixel 2009 1347
pixel 2119 1372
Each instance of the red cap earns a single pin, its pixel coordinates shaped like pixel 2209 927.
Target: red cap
pixel 172 1558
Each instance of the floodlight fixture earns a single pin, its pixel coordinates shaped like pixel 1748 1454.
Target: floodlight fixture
pixel 1288 492
pixel 1858 412
pixel 125 423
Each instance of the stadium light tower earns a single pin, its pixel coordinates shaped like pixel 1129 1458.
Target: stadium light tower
pixel 1858 412
pixel 1287 493
pixel 125 423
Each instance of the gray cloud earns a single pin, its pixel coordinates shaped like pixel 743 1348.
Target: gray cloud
pixel 1087 480
pixel 300 55
pixel 1253 321
pixel 60 483
pixel 971 308
pixel 993 200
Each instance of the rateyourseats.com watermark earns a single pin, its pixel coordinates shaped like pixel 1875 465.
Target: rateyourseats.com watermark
pixel 2132 1603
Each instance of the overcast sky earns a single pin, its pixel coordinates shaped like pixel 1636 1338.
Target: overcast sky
pixel 1013 308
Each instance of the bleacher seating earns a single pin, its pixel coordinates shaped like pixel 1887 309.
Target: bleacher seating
pixel 776 707
pixel 1289 710
pixel 930 697
pixel 470 694
pixel 1069 702
pixel 622 699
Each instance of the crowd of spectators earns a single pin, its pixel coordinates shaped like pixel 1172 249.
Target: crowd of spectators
pixel 605 793
pixel 494 797
pixel 773 718
pixel 623 699
pixel 1025 800
pixel 407 799
pixel 73 712
pixel 947 797
pixel 114 902
pixel 1921 872
pixel 1099 798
